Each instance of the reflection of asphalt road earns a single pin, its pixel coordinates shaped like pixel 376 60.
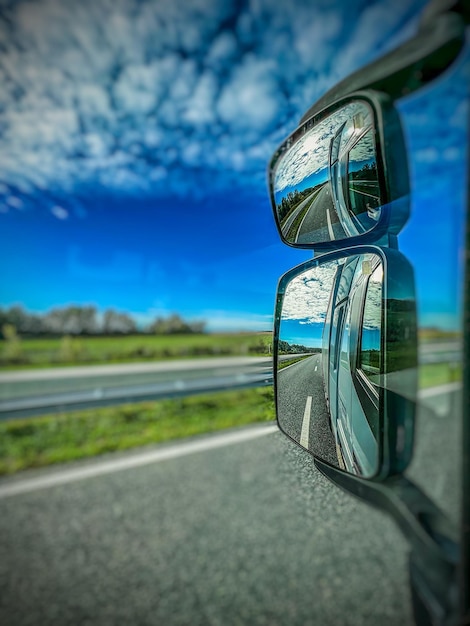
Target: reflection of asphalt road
pixel 321 220
pixel 302 408
pixel 288 223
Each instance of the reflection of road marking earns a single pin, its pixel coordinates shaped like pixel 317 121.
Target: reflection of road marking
pixel 304 435
pixel 330 228
pixel 363 193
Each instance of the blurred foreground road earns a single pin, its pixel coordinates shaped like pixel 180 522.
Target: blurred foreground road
pixel 247 533
pixel 211 531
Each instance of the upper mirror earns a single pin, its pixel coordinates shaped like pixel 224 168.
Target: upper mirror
pixel 345 359
pixel 328 181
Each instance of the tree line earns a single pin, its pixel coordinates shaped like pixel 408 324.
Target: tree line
pixel 86 320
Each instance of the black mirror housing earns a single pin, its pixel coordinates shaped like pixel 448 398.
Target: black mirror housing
pixel 365 205
pixel 371 434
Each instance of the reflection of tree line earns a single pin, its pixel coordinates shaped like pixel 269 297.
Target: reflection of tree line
pixel 367 172
pixel 292 200
pixel 401 339
pixel 284 347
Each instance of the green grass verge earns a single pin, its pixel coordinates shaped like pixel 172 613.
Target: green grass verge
pixel 283 364
pixel 96 350
pixel 294 227
pixel 41 441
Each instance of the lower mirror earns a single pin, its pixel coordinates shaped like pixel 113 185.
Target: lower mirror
pixel 345 356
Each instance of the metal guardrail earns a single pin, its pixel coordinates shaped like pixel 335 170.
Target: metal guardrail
pixel 108 396
pixel 100 395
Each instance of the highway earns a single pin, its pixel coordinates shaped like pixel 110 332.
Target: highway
pixel 290 219
pixel 35 392
pixel 302 405
pixel 321 221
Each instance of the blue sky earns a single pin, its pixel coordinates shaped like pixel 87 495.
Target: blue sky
pixel 134 139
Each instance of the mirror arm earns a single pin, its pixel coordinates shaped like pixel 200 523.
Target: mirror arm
pixel 408 67
pixel 433 540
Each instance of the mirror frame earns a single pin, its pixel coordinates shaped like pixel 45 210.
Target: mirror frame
pixel 392 168
pixel 396 413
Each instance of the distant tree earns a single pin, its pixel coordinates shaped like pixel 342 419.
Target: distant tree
pixel 118 323
pixel 72 320
pixel 174 324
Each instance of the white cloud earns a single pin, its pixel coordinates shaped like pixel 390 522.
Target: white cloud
pixel 59 212
pixel 307 295
pixel 116 93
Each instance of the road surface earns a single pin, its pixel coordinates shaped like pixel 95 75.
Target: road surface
pixel 321 221
pixel 302 407
pixel 240 532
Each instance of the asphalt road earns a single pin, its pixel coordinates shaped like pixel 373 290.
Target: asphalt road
pixel 248 533
pixel 303 412
pixel 321 220
pixel 288 223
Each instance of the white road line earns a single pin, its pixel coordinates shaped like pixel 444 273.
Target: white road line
pixel 330 228
pixel 440 390
pixel 364 194
pixel 65 476
pixel 304 435
pixel 316 367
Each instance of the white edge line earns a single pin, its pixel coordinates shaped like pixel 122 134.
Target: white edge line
pixel 304 218
pixel 330 227
pixel 137 460
pixel 279 371
pixel 441 389
pixel 305 434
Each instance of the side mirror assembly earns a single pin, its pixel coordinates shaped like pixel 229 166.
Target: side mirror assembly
pixel 341 178
pixel 345 354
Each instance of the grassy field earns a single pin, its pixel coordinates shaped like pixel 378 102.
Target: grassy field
pixel 96 350
pixel 41 441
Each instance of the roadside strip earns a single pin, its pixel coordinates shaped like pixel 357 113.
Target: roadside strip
pixel 172 451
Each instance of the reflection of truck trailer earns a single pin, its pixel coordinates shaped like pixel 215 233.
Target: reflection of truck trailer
pixel 350 360
pixel 357 210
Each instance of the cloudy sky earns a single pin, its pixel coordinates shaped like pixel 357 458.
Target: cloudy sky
pixel 134 139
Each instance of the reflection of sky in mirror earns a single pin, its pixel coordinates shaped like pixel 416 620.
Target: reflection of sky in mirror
pixel 373 309
pixel 307 295
pixel 309 155
pixel 301 333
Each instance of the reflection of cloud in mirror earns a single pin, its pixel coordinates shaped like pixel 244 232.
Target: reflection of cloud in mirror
pixel 373 305
pixel 309 155
pixel 307 295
